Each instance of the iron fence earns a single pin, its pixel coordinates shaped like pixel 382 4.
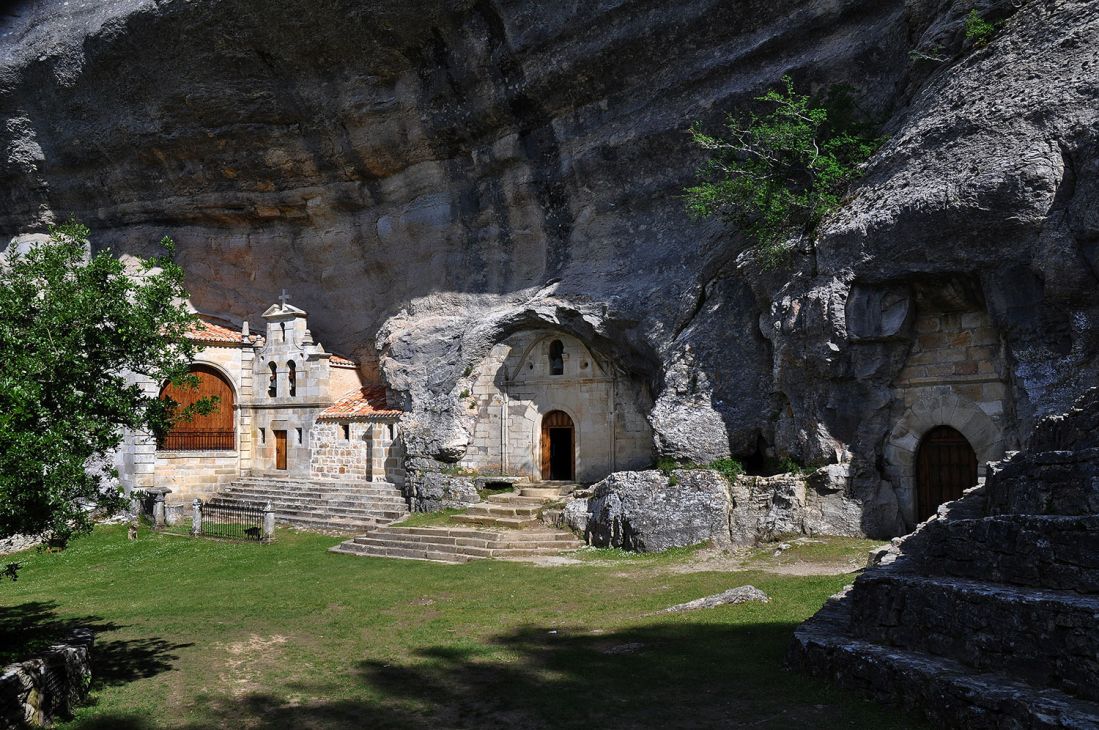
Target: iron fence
pixel 233 520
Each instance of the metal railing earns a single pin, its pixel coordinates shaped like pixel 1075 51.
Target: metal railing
pixel 198 441
pixel 233 520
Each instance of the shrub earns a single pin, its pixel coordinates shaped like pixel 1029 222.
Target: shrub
pixel 978 30
pixel 728 468
pixel 776 176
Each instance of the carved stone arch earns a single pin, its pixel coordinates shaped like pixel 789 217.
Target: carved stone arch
pixel 943 408
pixel 200 360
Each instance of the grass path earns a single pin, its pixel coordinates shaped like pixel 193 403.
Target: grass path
pixel 202 634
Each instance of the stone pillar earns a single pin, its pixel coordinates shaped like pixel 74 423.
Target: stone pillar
pixel 160 517
pixel 268 522
pixel 196 517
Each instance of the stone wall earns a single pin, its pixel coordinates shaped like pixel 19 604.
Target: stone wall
pixel 40 690
pixel 513 388
pixel 191 474
pixel 954 375
pixel 332 456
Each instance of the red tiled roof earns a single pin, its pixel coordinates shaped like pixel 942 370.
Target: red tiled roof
pixel 205 331
pixel 341 361
pixel 364 402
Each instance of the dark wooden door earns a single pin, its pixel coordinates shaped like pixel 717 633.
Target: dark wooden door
pixel 558 446
pixel 946 465
pixel 280 450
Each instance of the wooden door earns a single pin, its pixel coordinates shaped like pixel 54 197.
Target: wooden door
pixel 214 430
pixel 558 447
pixel 946 465
pixel 280 450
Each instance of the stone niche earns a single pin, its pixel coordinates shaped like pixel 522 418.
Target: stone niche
pixel 533 389
pixel 954 376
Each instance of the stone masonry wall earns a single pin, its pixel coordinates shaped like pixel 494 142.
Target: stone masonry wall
pixel 514 383
pixel 334 457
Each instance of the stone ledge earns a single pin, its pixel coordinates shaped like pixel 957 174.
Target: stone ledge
pixel 36 691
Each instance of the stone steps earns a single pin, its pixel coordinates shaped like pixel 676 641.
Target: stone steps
pixel 357 506
pixel 458 545
pixel 949 693
pixel 548 490
pixel 1062 552
pixel 1043 637
pixel 515 523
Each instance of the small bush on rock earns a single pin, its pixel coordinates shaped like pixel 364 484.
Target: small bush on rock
pixel 978 30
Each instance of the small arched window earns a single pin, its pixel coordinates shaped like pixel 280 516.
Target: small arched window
pixel 292 378
pixel 557 357
pixel 282 327
pixel 273 382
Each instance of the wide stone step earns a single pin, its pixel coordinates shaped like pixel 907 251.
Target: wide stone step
pixel 473 533
pixel 1044 551
pixel 384 536
pixel 504 510
pixel 315 494
pixel 1043 637
pixel 402 553
pixel 482 519
pixel 947 692
pixel 320 503
pixel 333 525
pixel 471 551
pixel 515 500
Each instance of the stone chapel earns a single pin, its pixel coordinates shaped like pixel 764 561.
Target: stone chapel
pixel 286 408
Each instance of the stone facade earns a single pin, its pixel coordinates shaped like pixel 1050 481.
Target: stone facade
pixel 283 383
pixel 955 375
pixel 517 385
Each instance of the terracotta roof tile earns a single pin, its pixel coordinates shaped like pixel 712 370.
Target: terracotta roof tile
pixel 366 402
pixel 342 361
pixel 204 331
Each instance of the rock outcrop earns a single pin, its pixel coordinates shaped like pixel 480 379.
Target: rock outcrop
pixel 986 616
pixel 427 177
pixel 651 511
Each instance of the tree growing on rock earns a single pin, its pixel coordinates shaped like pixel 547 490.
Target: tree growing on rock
pixel 776 175
pixel 74 329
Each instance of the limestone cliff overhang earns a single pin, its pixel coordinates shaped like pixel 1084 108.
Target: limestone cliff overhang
pixel 362 404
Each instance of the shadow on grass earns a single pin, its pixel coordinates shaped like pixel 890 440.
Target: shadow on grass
pixel 654 676
pixel 29 628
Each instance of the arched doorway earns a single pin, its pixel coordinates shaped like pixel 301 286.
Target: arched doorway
pixel 946 465
pixel 558 447
pixel 213 431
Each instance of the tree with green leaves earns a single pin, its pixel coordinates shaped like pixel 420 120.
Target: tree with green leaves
pixel 776 175
pixel 77 331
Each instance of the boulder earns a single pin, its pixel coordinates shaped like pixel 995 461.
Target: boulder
pixel 648 512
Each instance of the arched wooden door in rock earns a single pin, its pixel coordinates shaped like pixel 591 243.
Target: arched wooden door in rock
pixel 558 447
pixel 946 465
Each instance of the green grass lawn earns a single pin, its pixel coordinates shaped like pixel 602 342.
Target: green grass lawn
pixel 202 634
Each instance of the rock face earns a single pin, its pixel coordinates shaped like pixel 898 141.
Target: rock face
pixel 986 616
pixel 642 511
pixel 428 177
pixel 432 491
pixel 648 511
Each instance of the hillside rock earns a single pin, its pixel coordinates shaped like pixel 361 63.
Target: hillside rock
pixel 426 177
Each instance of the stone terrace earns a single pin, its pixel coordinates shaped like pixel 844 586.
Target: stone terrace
pixel 988 615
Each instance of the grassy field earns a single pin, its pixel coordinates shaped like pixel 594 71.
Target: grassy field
pixel 204 634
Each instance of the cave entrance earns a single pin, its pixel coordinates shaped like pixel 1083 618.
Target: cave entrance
pixel 558 447
pixel 946 465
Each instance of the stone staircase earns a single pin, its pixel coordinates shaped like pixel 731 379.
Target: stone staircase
pixel 518 509
pixel 506 525
pixel 988 615
pixel 337 506
pixel 459 544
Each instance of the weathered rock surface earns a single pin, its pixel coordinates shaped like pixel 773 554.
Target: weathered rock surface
pixel 987 615
pixel 740 594
pixel 641 510
pixel 428 177
pixel 35 692
pixel 430 491
pixel 648 511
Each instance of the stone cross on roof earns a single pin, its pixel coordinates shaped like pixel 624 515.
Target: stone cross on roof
pixel 283 298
